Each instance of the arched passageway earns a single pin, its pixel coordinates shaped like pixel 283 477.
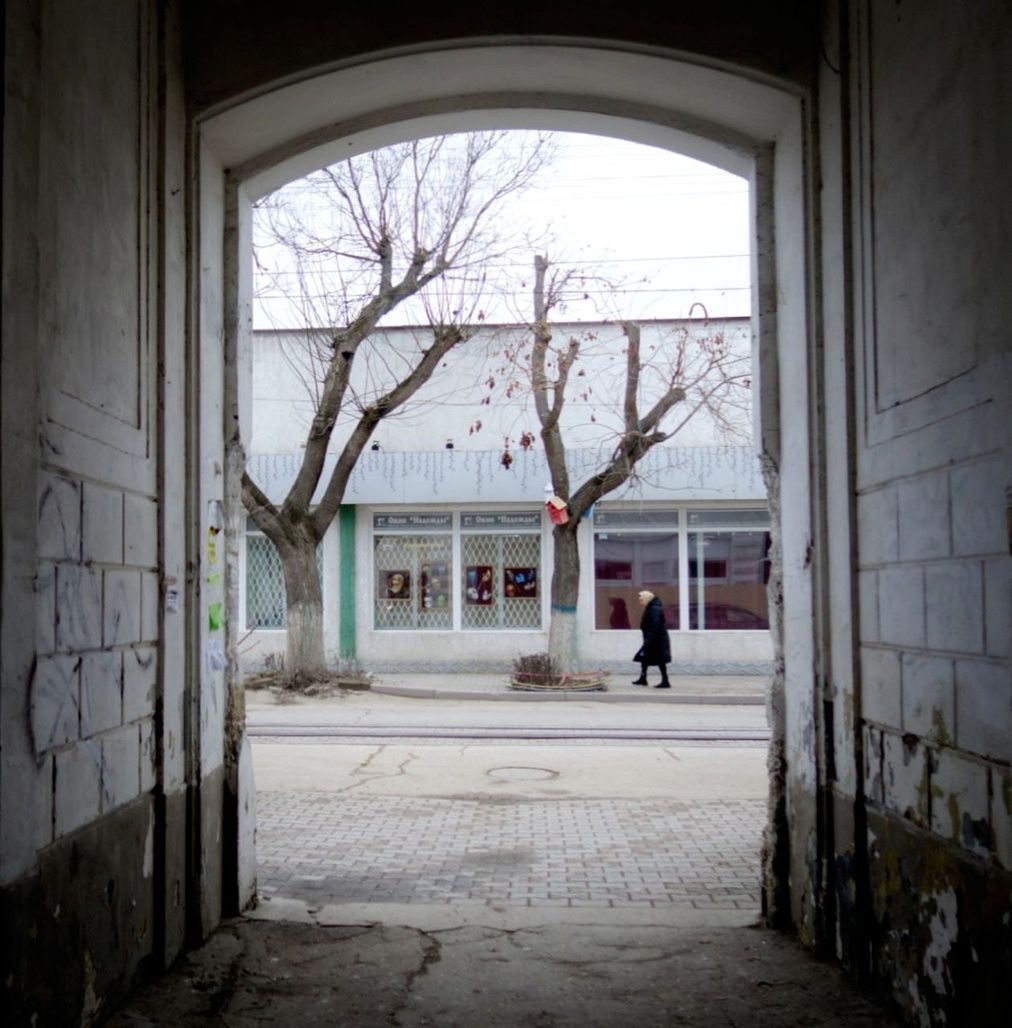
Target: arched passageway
pixel 876 138
pixel 752 129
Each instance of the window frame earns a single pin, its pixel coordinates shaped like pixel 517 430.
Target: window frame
pixel 692 520
pixel 531 526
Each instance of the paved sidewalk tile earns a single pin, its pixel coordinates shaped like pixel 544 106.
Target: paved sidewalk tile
pixel 325 848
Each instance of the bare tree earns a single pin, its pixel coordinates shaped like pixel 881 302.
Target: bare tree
pixel 648 401
pixel 349 245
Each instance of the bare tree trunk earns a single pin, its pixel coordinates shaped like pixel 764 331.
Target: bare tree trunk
pixel 565 593
pixel 367 259
pixel 304 656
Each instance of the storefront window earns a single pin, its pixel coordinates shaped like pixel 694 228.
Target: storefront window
pixel 413 562
pixel 728 571
pixel 501 573
pixel 634 551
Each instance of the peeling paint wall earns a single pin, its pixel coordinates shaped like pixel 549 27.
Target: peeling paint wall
pixel 93 738
pixel 913 140
pixel 776 843
pixel 88 623
pixel 943 927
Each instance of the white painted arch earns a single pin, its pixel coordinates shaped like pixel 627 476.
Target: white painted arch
pixel 299 126
pixel 748 126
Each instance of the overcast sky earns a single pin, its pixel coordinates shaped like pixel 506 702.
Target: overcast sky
pixel 646 213
pixel 672 230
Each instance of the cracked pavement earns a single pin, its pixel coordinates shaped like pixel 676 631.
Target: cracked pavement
pixel 505 884
pixel 551 974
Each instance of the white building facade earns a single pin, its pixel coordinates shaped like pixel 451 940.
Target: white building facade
pixel 441 557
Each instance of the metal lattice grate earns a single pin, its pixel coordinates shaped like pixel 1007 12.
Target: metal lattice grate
pixel 414 581
pixel 501 581
pixel 265 583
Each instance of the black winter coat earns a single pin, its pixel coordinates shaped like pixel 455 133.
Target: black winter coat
pixel 656 648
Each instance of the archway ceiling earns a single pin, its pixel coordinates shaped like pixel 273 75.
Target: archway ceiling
pixel 286 132
pixel 238 48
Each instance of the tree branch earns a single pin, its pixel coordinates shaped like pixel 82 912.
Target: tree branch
pixel 548 413
pixel 445 339
pixel 259 507
pixel 337 377
pixel 632 376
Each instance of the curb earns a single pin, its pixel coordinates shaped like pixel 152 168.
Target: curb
pixel 554 696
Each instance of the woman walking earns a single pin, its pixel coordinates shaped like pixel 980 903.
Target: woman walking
pixel 656 648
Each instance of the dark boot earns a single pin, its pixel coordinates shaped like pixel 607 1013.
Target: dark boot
pixel 642 680
pixel 665 684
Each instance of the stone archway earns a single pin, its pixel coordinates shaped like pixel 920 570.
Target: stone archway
pixel 247 148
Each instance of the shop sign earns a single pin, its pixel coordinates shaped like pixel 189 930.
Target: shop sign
pixel 418 522
pixel 729 518
pixel 501 520
pixel 636 519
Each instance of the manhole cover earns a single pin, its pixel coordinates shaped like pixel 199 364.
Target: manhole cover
pixel 515 774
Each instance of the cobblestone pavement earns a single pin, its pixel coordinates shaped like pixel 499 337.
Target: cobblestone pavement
pixel 324 848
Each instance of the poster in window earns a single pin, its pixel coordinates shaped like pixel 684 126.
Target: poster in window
pixel 478 585
pixel 520 583
pixel 435 586
pixel 397 585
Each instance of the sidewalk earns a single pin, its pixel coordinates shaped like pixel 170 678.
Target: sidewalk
pixel 514 823
pixel 443 707
pixel 740 690
pixel 698 858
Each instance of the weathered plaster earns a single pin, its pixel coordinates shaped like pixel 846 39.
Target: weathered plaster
pixel 941 933
pixel 89 911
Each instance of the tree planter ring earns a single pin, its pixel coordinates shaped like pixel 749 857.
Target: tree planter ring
pixel 590 681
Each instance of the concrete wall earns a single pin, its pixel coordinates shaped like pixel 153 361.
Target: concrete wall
pixel 102 874
pixel 921 136
pixel 704 475
pixel 451 404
